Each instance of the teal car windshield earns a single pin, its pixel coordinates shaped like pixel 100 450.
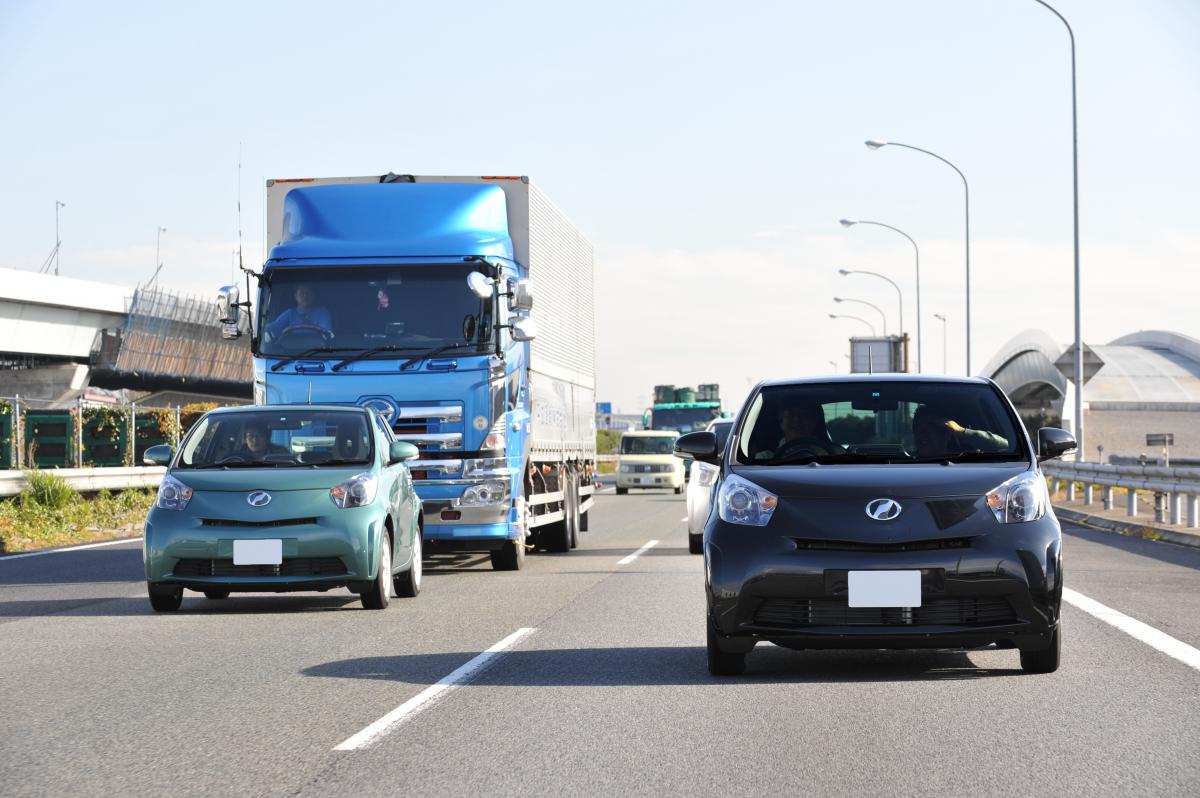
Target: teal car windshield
pixel 278 438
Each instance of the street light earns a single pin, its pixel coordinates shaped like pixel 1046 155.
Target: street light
pixel 942 319
pixel 868 304
pixel 1075 188
pixel 57 238
pixel 875 144
pixel 834 364
pixel 157 260
pixel 899 295
pixel 917 250
pixel 870 326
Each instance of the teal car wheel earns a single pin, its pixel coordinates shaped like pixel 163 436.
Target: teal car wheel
pixel 379 595
pixel 165 598
pixel 408 584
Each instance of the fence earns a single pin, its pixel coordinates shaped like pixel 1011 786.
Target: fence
pixel 1173 488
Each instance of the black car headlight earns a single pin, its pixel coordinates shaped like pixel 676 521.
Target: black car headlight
pixel 1020 499
pixel 740 501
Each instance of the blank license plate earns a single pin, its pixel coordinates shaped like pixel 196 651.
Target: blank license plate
pixel 257 552
pixel 885 588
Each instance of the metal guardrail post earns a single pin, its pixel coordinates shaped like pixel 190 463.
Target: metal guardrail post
pixel 1087 493
pixel 1108 497
pixel 1131 502
pixel 1070 490
pixel 1175 502
pixel 1193 511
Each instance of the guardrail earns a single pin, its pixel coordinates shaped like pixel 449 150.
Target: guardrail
pixel 1177 486
pixel 89 480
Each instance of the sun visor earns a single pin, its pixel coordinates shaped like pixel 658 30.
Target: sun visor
pixel 395 219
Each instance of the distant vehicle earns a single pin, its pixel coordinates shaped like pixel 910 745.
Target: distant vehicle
pixel 882 512
pixel 284 498
pixel 683 409
pixel 700 489
pixel 413 295
pixel 646 459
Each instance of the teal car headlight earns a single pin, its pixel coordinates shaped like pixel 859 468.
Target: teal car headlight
pixel 172 494
pixel 358 491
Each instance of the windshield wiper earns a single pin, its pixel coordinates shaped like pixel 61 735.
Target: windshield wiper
pixel 431 353
pixel 309 353
pixel 964 457
pixel 368 352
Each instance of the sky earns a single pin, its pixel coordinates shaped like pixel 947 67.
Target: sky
pixel 707 151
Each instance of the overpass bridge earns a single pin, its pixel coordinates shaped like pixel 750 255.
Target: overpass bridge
pixel 60 335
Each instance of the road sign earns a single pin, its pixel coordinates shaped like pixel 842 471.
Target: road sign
pixel 604 408
pixel 1091 363
pixel 1160 439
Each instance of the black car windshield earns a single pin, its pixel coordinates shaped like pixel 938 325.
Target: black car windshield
pixel 878 422
pixel 398 310
pixel 278 439
pixel 648 444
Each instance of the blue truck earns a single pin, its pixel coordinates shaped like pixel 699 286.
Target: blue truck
pixel 414 296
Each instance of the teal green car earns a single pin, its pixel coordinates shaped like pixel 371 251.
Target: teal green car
pixel 284 498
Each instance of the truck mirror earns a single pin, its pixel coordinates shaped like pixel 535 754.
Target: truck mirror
pixel 480 285
pixel 227 304
pixel 524 330
pixel 520 295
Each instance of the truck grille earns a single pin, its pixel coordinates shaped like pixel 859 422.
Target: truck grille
pixel 430 426
pixel 800 613
pixel 291 566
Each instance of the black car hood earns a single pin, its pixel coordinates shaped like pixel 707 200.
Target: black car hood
pixel 894 481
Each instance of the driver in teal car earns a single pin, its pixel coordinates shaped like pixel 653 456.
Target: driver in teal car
pixel 305 315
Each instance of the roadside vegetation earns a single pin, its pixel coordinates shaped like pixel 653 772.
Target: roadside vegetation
pixel 51 513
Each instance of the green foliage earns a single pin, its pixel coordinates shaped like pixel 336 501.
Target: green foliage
pixel 47 490
pixel 607 441
pixel 26 524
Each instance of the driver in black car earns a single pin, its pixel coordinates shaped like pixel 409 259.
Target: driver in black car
pixel 305 316
pixel 804 434
pixel 256 443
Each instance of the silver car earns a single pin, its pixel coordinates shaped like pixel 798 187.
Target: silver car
pixel 700 488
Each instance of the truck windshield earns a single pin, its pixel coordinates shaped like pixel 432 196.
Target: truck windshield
pixel 684 420
pixel 394 309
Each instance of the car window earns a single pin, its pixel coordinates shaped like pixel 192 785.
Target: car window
pixel 648 444
pixel 878 422
pixel 278 438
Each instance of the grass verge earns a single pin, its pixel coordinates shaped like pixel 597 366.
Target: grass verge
pixel 50 513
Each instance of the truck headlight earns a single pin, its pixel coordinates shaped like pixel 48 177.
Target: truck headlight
pixel 172 494
pixel 484 494
pixel 740 501
pixel 1020 499
pixel 358 491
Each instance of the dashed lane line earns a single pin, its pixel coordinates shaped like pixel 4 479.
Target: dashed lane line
pixel 630 558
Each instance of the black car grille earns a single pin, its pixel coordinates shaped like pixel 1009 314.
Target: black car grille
pixel 799 613
pixel 229 522
pixel 291 566
pixel 806 544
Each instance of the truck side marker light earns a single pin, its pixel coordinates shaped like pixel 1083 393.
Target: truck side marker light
pixel 451 515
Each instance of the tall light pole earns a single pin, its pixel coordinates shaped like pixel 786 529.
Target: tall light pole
pixel 899 295
pixel 870 326
pixel 917 251
pixel 1075 190
pixel 841 299
pixel 57 238
pixel 834 364
pixel 942 319
pixel 875 144
pixel 157 260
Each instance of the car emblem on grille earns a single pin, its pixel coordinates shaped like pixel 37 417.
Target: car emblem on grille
pixel 259 498
pixel 883 509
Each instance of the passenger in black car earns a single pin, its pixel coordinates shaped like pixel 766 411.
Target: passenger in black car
pixel 936 433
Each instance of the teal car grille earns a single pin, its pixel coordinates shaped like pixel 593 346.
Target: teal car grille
pixel 291 566
pixel 229 522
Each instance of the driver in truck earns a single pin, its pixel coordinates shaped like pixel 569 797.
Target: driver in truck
pixel 305 315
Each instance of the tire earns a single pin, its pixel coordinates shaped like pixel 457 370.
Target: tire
pixel 695 544
pixel 721 663
pixel 379 595
pixel 622 491
pixel 163 601
pixel 1044 661
pixel 679 490
pixel 509 557
pixel 408 583
pixel 573 512
pixel 216 595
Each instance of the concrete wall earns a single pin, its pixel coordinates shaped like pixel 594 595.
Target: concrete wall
pixel 1123 432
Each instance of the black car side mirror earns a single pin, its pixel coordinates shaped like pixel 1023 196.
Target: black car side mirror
pixel 700 445
pixel 1053 442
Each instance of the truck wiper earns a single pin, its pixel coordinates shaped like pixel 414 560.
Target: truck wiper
pixel 368 352
pixel 309 353
pixel 431 353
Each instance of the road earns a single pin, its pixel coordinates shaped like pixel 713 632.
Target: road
pixel 608 694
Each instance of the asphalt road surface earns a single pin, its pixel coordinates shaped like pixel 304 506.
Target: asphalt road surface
pixel 598 685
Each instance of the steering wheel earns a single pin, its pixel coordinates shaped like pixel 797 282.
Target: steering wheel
pixel 325 333
pixel 233 458
pixel 799 446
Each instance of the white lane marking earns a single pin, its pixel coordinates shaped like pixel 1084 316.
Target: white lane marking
pixel 8 557
pixel 465 673
pixel 634 556
pixel 683 520
pixel 1135 628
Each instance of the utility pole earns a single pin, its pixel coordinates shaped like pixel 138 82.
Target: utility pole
pixel 57 238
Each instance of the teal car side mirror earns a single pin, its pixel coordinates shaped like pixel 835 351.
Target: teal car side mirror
pixel 399 452
pixel 158 455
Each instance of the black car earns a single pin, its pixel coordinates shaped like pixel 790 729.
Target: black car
pixel 881 512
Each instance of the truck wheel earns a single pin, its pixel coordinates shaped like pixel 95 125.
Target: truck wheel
pixel 380 593
pixel 408 584
pixel 679 490
pixel 622 491
pixel 165 599
pixel 573 512
pixel 509 557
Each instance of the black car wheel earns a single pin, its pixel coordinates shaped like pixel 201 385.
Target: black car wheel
pixel 1044 661
pixel 696 544
pixel 622 491
pixel 721 663
pixel 216 595
pixel 165 600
